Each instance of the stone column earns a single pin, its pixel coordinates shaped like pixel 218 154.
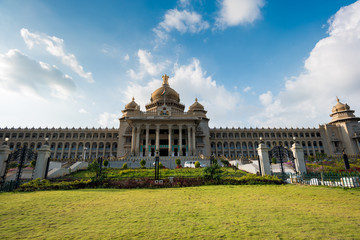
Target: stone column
pixel 180 140
pixel 299 160
pixel 157 141
pixel 132 139
pixel 193 141
pixel 147 141
pixel 137 146
pixel 189 141
pixel 170 140
pixel 41 161
pixel 4 154
pixel 263 153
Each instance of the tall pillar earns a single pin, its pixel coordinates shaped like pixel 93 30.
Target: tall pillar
pixel 170 140
pixel 41 161
pixel 4 154
pixel 137 145
pixel 132 139
pixel 193 141
pixel 157 138
pixel 180 140
pixel 263 153
pixel 147 141
pixel 299 160
pixel 189 141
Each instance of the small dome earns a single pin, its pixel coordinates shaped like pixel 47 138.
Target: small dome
pixel 339 107
pixel 132 105
pixel 165 91
pixel 196 106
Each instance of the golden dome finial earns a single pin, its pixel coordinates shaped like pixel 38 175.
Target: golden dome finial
pixel 165 79
pixel 133 98
pixel 196 100
pixel 337 99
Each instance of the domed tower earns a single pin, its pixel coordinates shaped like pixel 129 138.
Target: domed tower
pixel 131 107
pixel 197 108
pixel 165 95
pixel 342 113
pixel 342 133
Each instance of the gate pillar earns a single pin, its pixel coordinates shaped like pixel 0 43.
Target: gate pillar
pixel 41 161
pixel 263 153
pixel 299 159
pixel 4 154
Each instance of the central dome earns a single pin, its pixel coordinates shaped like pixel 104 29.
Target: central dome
pixel 165 92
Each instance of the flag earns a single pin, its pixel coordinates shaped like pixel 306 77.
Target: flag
pixel 163 93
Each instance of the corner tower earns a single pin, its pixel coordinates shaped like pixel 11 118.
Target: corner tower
pixel 343 131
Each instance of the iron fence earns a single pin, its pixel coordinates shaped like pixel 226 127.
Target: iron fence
pixel 348 180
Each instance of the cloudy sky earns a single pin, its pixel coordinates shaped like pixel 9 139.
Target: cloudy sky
pixel 251 63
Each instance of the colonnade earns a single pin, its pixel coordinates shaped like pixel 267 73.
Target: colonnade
pixel 180 139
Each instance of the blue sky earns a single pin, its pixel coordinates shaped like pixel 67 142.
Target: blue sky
pixel 251 63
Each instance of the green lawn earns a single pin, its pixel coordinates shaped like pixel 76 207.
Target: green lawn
pixel 207 212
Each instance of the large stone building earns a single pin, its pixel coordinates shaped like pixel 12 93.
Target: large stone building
pixel 167 127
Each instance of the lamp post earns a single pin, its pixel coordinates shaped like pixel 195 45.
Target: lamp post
pixel 157 165
pixel 85 148
pixel 212 158
pixel 6 141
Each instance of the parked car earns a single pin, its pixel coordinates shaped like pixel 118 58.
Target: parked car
pixel 191 164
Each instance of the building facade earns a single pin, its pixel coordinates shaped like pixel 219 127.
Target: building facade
pixel 166 126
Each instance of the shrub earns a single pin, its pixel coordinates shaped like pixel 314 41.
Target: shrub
pixel 178 163
pixel 273 160
pixel 106 163
pixel 143 163
pixel 38 185
pixel 197 164
pixel 252 179
pixel 124 166
pixel 225 162
pixel 161 165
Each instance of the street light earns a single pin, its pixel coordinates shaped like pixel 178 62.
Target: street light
pixel 85 148
pixel 6 141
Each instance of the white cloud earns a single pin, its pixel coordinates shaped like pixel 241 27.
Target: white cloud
pixel 266 98
pixel 126 57
pixel 247 89
pixel 183 3
pixel 237 12
pixel 147 66
pixel 55 46
pixel 182 21
pixel 108 119
pixel 331 70
pixel 82 110
pixel 19 73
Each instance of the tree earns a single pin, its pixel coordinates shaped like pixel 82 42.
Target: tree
pixel 96 167
pixel 213 172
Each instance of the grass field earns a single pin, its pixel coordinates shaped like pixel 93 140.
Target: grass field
pixel 207 212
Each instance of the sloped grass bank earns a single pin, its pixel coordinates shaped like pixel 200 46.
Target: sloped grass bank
pixel 206 212
pixel 127 183
pixel 116 173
